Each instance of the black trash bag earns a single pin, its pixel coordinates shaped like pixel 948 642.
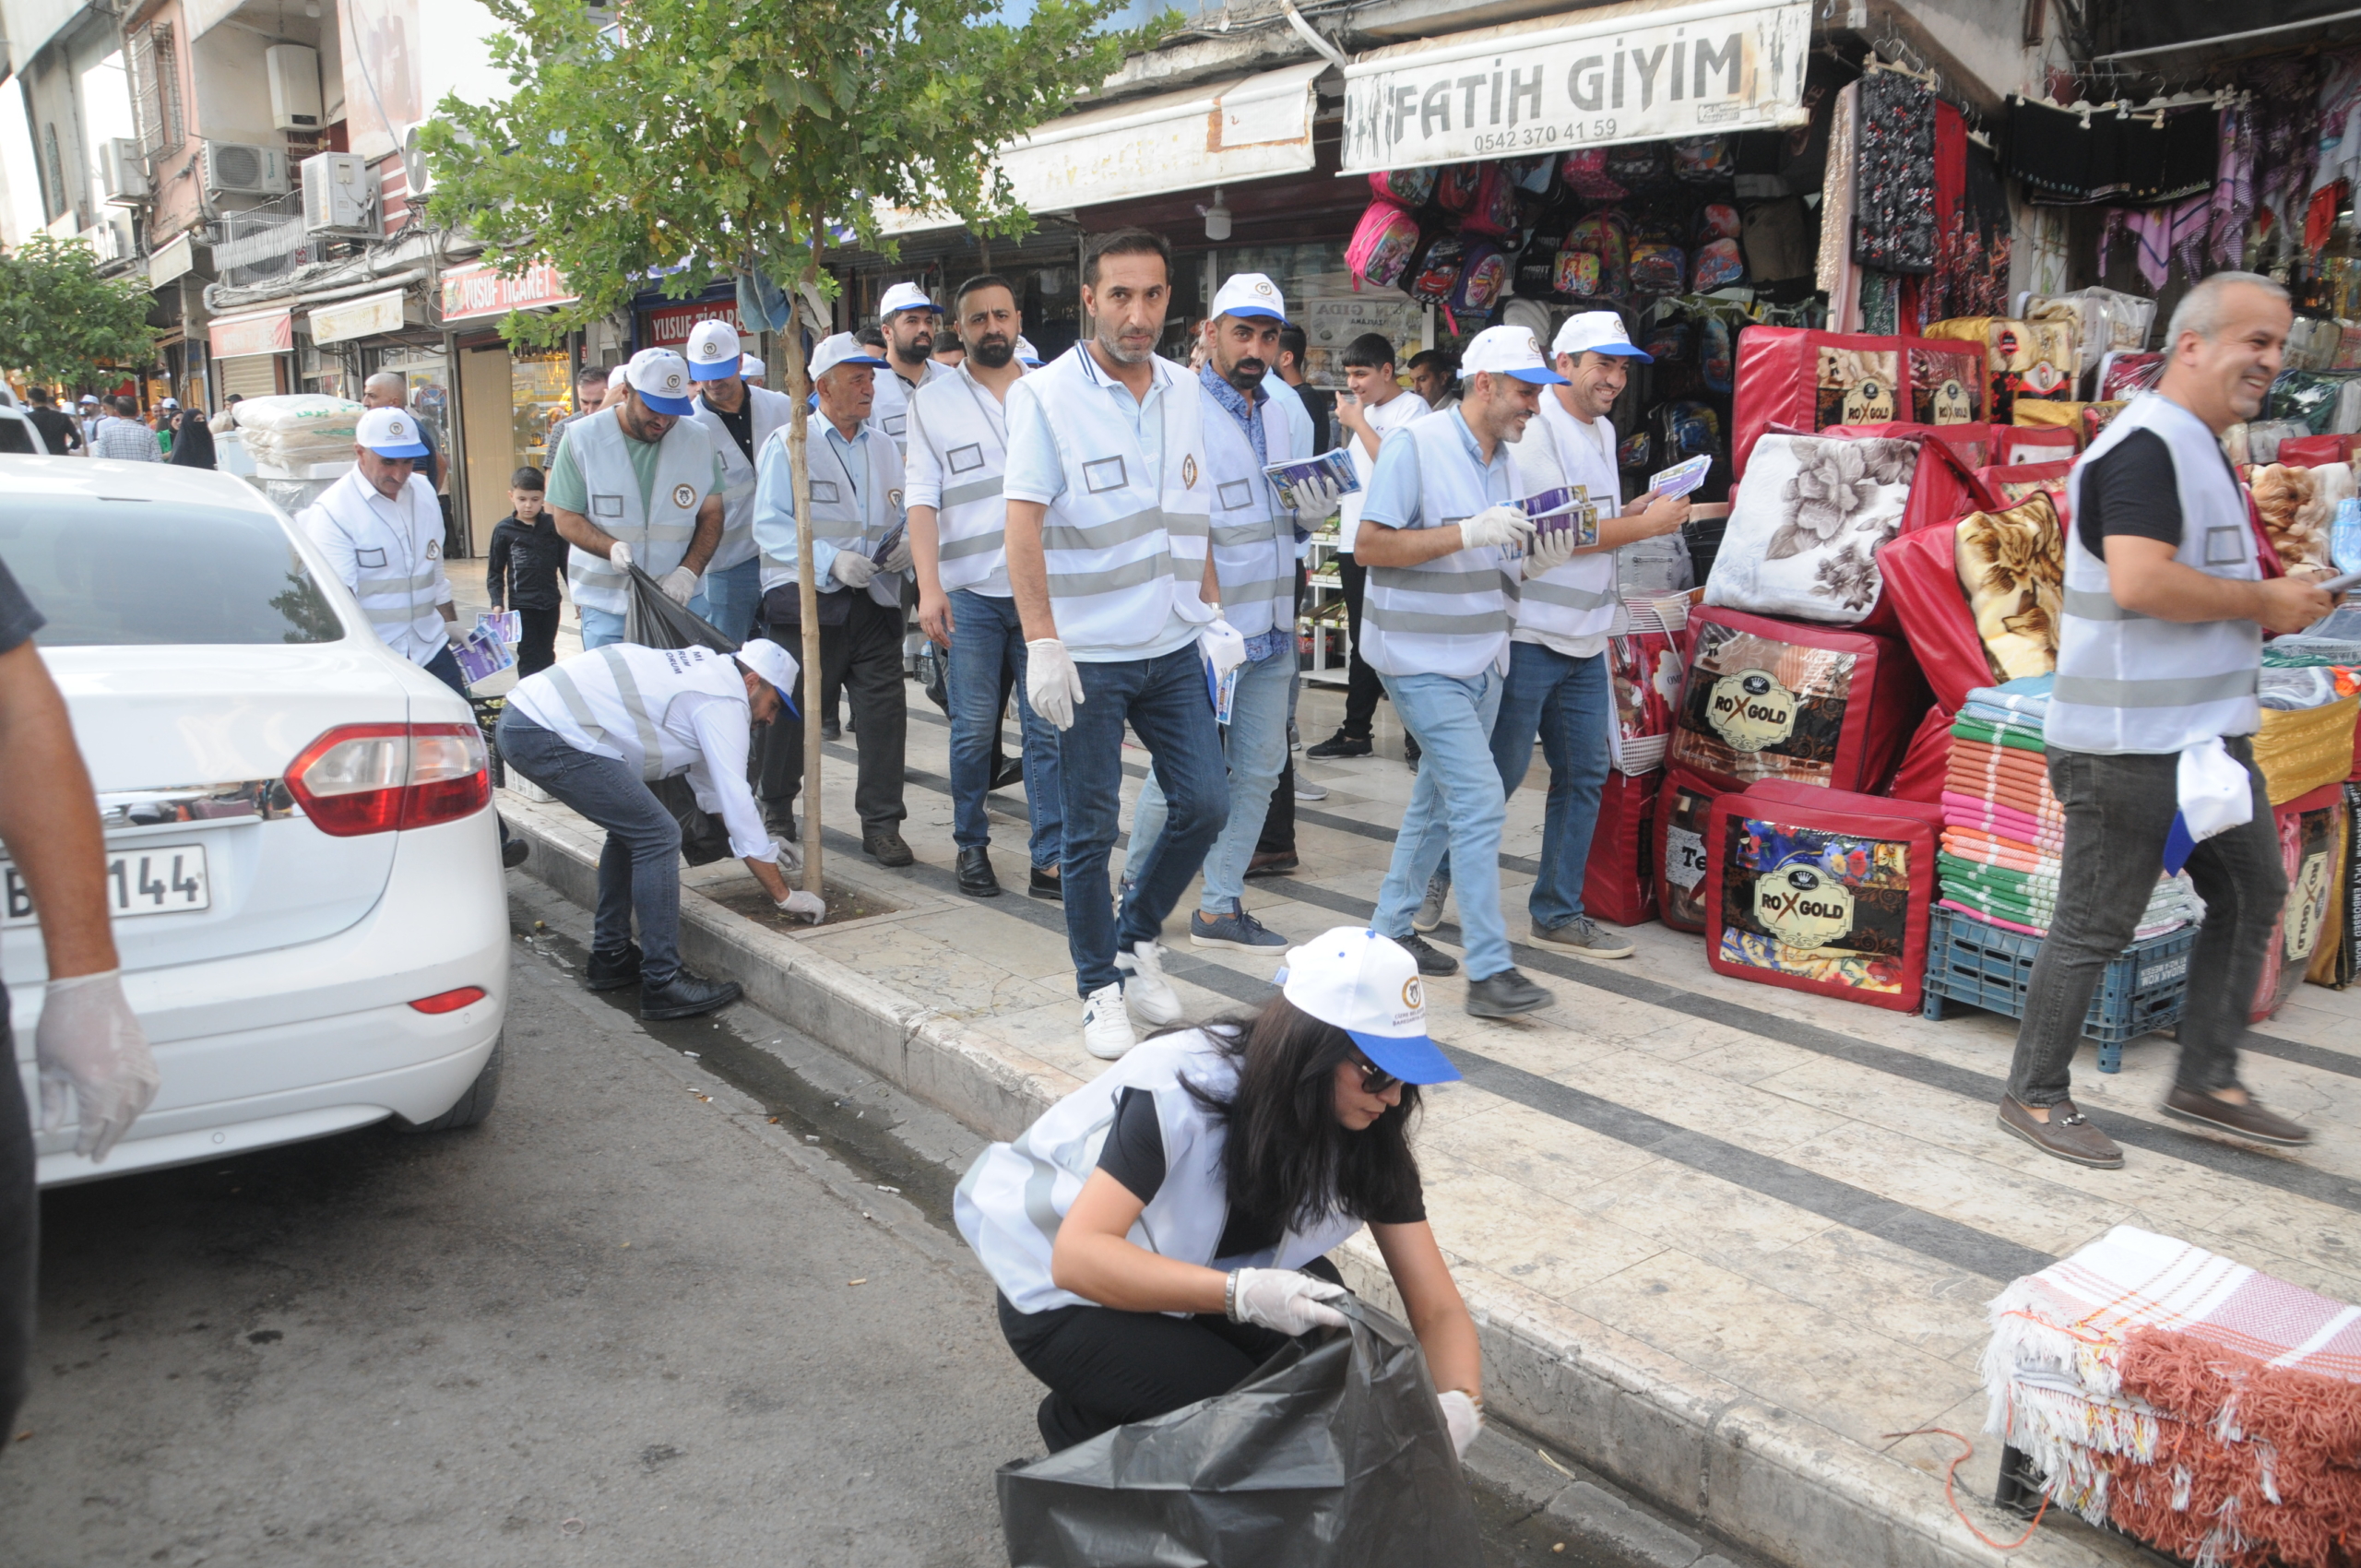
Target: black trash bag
pixel 652 620
pixel 934 675
pixel 705 838
pixel 1332 1455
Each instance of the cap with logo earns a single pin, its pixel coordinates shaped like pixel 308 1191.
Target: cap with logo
pixel 1597 332
pixel 713 351
pixel 1249 293
pixel 661 379
pixel 1508 351
pixel 1367 986
pixel 172 403
pixel 842 348
pixel 390 432
pixel 774 664
pixel 902 297
pixel 750 367
pixel 1025 352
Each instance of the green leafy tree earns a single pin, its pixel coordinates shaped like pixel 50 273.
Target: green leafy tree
pixel 60 321
pixel 696 139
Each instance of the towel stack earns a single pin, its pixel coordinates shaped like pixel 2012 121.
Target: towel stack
pixel 2004 833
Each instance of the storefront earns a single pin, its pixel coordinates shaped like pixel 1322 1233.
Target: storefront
pixel 254 352
pixel 508 399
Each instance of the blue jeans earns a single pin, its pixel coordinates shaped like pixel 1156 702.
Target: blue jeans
pixel 600 627
pixel 1457 804
pixel 1164 699
pixel 985 633
pixel 1565 702
pixel 639 869
pixel 732 596
pixel 1257 746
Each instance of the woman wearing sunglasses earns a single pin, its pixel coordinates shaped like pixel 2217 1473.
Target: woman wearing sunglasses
pixel 1160 1232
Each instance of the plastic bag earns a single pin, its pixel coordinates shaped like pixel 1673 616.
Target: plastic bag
pixel 1332 1455
pixel 652 620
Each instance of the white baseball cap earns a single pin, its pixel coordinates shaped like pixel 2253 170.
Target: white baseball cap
pixel 1508 351
pixel 615 376
pixel 90 397
pixel 171 402
pixel 1249 293
pixel 750 367
pixel 842 348
pixel 661 379
pixel 390 432
pixel 713 351
pixel 1367 986
pixel 1597 332
pixel 902 297
pixel 774 664
pixel 1025 352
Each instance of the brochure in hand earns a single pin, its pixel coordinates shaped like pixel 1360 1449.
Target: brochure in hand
pixel 506 625
pixel 1681 478
pixel 1553 511
pixel 1335 466
pixel 483 655
pixel 891 543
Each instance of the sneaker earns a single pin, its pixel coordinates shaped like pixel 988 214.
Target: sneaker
pixel 1105 1028
pixel 1295 736
pixel 1585 937
pixel 1505 995
pixel 1150 995
pixel 2068 1134
pixel 1430 913
pixel 685 996
pixel 1341 743
pixel 1432 960
pixel 887 847
pixel 612 971
pixel 1305 789
pixel 2248 1120
pixel 1236 929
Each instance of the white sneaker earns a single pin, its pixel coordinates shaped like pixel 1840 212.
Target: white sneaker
pixel 1105 1028
pixel 1150 995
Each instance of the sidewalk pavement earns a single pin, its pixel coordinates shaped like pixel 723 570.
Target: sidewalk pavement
pixel 1724 1241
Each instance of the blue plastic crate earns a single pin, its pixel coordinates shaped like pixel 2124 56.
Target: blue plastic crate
pixel 1988 965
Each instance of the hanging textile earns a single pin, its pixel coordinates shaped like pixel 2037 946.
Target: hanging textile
pixel 2233 200
pixel 1835 274
pixel 1893 218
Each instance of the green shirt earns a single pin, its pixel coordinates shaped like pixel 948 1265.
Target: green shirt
pixel 569 490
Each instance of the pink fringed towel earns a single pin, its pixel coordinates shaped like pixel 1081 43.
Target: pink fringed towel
pixel 2202 1406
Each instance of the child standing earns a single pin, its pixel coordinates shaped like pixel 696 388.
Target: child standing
pixel 528 563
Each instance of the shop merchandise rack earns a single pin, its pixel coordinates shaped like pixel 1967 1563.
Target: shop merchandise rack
pixel 1987 966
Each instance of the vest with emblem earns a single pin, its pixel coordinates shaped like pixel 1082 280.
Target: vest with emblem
pixel 1125 548
pixel 614 701
pixel 397 568
pixel 2131 684
pixel 1253 535
pixel 1448 617
pixel 889 410
pixel 837 517
pixel 965 432
pixel 770 413
pixel 1576 599
pixel 658 531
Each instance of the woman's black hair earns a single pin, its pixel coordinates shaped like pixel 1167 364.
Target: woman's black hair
pixel 1288 1162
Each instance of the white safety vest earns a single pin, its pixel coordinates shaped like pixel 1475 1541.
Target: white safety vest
pixel 1575 601
pixel 837 517
pixel 771 410
pixel 1125 548
pixel 959 457
pixel 889 410
pixel 1253 535
pixel 397 565
pixel 1012 1199
pixel 1451 615
pixel 658 532
pixel 2130 683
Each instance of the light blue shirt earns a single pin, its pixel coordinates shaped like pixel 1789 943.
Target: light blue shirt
pixel 1035 471
pixel 1290 401
pixel 1396 493
pixel 775 498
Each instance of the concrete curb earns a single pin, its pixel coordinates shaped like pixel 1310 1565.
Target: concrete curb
pixel 1757 1474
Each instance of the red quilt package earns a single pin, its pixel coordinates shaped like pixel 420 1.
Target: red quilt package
pixel 1929 611
pixel 1682 809
pixel 1826 706
pixel 2012 482
pixel 2014 444
pixel 1810 380
pixel 2316 451
pixel 1944 487
pixel 1822 890
pixel 1925 761
pixel 2308 846
pixel 1616 883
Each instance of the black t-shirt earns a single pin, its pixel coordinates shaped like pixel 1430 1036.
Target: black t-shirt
pixel 55 429
pixel 2132 490
pixel 1320 404
pixel 740 424
pixel 1133 1155
pixel 19 619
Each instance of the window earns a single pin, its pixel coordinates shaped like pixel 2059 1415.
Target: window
pixel 155 90
pixel 53 203
pixel 117 573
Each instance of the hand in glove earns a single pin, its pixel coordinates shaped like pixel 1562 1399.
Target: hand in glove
pixel 898 558
pixel 803 906
pixel 1501 527
pixel 852 568
pixel 679 585
pixel 89 1041
pixel 619 556
pixel 791 857
pixel 1051 683
pixel 1463 1420
pixel 1223 645
pixel 1551 548
pixel 1316 499
pixel 1282 1298
pixel 457 633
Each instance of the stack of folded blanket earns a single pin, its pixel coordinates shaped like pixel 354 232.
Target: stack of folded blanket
pixel 2004 833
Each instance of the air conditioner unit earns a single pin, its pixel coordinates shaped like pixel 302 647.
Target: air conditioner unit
pixel 339 195
pixel 417 176
pixel 123 170
pixel 294 73
pixel 237 168
pixel 110 238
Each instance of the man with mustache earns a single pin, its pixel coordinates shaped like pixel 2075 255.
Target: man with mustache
pixel 907 319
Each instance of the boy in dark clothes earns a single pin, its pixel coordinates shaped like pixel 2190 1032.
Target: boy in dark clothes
pixel 527 559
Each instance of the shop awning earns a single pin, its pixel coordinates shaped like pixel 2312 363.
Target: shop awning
pixel 255 332
pixel 1642 73
pixel 363 317
pixel 1213 134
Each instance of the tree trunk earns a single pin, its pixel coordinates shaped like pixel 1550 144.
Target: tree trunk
pixel 799 389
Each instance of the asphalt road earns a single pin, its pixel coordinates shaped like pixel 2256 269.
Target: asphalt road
pixel 661 1309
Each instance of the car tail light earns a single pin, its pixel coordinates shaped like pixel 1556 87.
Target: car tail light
pixel 362 779
pixel 450 1001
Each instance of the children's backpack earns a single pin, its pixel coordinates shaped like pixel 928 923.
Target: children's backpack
pixel 1405 187
pixel 1483 277
pixel 1584 172
pixel 1717 220
pixel 1435 273
pixel 1458 185
pixel 1495 208
pixel 1716 361
pixel 1701 159
pixel 1382 243
pixel 1640 166
pixel 1657 268
pixel 1605 237
pixel 1718 266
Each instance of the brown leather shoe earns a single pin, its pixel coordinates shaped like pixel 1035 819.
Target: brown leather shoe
pixel 2068 1134
pixel 2248 1120
pixel 887 848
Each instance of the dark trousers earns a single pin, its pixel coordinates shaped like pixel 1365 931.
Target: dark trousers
pixel 19 1237
pixel 863 658
pixel 537 649
pixel 2118 811
pixel 1361 686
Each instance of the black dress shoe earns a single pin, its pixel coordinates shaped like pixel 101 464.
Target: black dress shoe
pixel 1011 771
pixel 1432 961
pixel 513 850
pixel 1048 885
pixel 686 995
pixel 887 847
pixel 612 971
pixel 831 729
pixel 976 878
pixel 1410 752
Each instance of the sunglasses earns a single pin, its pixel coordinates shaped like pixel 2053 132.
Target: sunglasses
pixel 1375 1080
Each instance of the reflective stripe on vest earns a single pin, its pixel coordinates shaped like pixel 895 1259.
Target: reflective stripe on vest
pixel 966 434
pixel 397 566
pixel 1577 598
pixel 2131 684
pixel 1448 617
pixel 627 687
pixel 771 410
pixel 843 516
pixel 658 529
pixel 1254 536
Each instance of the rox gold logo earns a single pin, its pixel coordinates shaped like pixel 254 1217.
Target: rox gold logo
pixel 1803 905
pixel 1750 710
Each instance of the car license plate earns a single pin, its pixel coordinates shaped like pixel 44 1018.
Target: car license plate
pixel 162 879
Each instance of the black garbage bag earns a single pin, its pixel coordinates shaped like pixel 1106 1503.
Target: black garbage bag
pixel 652 620
pixel 1332 1455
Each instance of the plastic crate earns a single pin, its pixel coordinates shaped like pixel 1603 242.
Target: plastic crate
pixel 1987 966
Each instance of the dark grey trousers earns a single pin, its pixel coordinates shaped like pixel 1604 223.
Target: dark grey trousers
pixel 863 657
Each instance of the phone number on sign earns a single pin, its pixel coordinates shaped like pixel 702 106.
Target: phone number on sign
pixel 1572 133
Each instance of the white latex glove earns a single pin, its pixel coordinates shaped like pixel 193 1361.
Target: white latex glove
pixel 1282 1298
pixel 898 558
pixel 679 585
pixel 1504 527
pixel 1463 1420
pixel 457 633
pixel 89 1041
pixel 790 856
pixel 803 906
pixel 1223 645
pixel 1316 499
pixel 1051 683
pixel 619 556
pixel 852 568
pixel 1551 548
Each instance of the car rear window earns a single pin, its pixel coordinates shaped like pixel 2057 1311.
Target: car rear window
pixel 19 435
pixel 112 573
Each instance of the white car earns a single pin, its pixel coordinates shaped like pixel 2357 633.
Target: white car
pixel 17 432
pixel 302 857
